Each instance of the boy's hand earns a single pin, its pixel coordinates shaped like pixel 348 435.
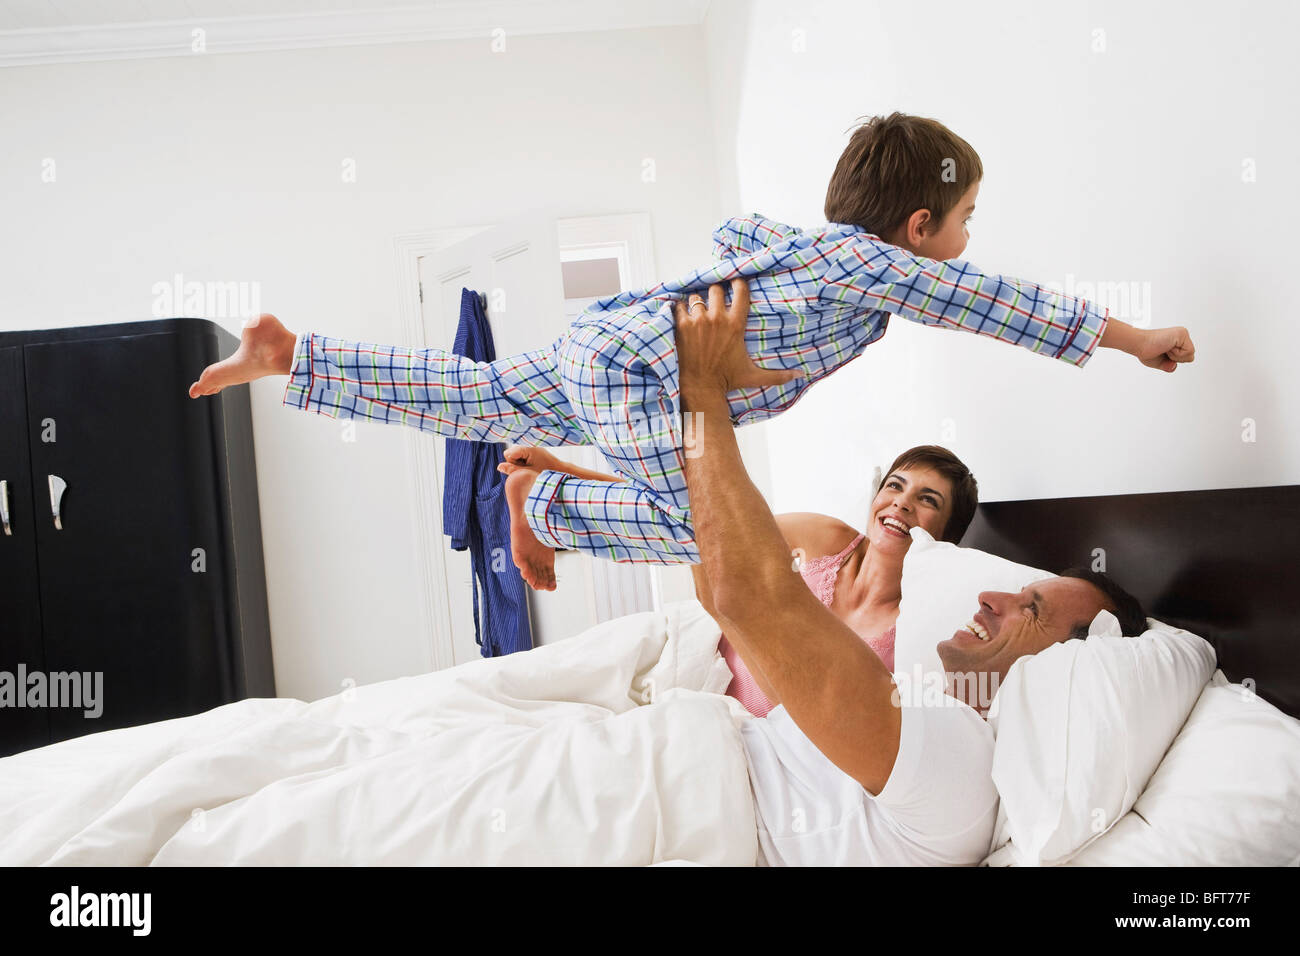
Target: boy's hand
pixel 711 344
pixel 1164 349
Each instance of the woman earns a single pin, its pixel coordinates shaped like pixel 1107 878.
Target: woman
pixel 858 575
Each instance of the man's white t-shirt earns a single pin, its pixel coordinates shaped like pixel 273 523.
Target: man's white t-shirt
pixel 939 805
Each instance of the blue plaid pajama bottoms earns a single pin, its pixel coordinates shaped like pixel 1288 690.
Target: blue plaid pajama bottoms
pixel 608 384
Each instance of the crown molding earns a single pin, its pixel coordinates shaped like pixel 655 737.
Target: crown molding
pixel 450 20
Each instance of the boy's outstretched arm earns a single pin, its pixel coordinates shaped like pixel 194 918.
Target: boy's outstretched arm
pixel 952 293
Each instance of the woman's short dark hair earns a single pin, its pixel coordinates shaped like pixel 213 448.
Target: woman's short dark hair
pixel 965 492
pixel 1126 608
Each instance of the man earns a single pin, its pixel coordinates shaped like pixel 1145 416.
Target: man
pixel 841 772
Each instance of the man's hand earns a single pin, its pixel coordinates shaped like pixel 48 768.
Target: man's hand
pixel 711 350
pixel 1164 349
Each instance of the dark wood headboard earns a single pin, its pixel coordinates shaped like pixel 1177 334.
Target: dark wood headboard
pixel 1223 564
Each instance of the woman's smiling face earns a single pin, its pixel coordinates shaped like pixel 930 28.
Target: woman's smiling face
pixel 911 497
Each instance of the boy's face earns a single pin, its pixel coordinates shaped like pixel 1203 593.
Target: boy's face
pixel 946 242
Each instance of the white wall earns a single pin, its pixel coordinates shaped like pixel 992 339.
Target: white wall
pixel 227 168
pixel 1115 166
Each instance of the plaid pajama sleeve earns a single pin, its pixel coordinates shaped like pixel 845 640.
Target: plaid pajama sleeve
pixel 954 294
pixel 618 520
pixel 517 399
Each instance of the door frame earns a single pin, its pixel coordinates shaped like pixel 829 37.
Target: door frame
pixel 629 237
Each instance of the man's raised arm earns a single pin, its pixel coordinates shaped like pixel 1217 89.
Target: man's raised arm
pixel 833 686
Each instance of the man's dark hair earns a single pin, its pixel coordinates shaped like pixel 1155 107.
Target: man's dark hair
pixel 1126 608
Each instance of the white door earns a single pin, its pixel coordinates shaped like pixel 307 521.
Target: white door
pixel 516 267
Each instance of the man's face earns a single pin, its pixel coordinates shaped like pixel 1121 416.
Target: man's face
pixel 1009 626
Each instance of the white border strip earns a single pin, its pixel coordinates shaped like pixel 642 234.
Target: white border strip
pixel 456 20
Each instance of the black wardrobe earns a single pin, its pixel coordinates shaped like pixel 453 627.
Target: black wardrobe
pixel 131 545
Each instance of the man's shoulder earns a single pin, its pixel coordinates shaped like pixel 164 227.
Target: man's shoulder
pixel 938 714
pixel 944 746
pixel 941 788
pixel 939 806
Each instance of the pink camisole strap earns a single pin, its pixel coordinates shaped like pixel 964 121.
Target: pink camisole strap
pixel 819 574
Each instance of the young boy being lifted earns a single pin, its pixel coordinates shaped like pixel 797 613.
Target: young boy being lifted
pixel 897 208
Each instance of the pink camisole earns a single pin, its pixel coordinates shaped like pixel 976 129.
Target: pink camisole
pixel 819 574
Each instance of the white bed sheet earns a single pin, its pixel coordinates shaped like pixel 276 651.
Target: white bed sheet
pixel 547 757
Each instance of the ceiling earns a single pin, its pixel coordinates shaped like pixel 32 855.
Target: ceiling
pixel 34 32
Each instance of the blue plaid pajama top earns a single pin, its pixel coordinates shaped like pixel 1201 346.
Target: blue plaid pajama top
pixel 818 298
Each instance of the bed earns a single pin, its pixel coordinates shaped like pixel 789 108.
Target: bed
pixel 473 764
pixel 1220 564
pixel 548 757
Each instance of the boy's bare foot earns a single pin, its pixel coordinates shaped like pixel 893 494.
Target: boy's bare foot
pixel 535 561
pixel 526 456
pixel 265 348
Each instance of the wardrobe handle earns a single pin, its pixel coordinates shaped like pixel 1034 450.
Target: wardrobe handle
pixel 57 487
pixel 4 505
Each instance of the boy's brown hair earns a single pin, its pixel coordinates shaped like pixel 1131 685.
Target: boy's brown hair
pixel 895 165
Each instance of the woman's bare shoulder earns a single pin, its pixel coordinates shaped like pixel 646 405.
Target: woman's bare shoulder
pixel 817 534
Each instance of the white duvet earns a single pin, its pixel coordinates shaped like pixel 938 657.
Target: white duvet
pixel 546 757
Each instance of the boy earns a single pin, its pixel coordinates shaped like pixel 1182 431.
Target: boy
pixel 897 208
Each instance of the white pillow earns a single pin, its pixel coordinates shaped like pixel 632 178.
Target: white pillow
pixel 1226 794
pixel 940 588
pixel 1080 728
